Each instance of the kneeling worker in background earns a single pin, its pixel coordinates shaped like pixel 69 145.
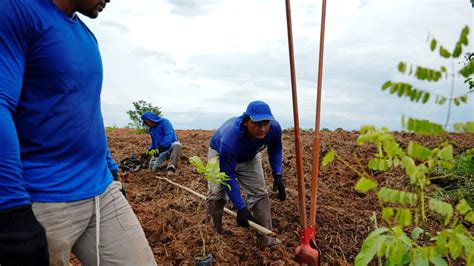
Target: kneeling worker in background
pixel 164 143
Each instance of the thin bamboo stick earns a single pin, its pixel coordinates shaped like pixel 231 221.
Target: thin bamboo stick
pixel 260 229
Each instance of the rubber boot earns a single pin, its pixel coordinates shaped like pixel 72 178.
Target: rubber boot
pixel 175 156
pixel 214 210
pixel 261 214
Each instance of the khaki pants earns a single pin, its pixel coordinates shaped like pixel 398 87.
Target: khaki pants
pixel 251 179
pixel 71 226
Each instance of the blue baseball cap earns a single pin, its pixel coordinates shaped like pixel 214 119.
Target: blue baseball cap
pixel 259 111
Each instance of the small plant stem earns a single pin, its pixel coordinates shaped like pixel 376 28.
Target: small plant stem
pixel 451 96
pixel 421 195
pixel 350 167
pixel 360 165
pixel 200 232
pixel 379 259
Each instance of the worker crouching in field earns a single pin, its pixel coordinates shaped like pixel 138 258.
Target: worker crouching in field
pixel 238 143
pixel 164 143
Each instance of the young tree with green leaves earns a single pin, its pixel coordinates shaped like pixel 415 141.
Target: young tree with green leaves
pixel 432 74
pixel 406 238
pixel 141 107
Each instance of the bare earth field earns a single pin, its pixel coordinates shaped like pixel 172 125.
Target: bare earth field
pixel 173 218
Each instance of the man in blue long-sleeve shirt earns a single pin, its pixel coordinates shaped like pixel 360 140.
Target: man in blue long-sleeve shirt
pixel 163 140
pixel 238 143
pixel 57 193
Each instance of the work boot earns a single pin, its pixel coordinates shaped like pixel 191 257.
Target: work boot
pixel 175 155
pixel 214 209
pixel 170 170
pixel 261 214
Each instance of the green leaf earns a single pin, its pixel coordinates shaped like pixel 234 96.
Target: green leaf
pixel 442 100
pixel 410 167
pixel 329 157
pixel 395 252
pixel 365 184
pixel 433 44
pixel 443 208
pixel 415 234
pixel 419 151
pixel 426 97
pixel 469 127
pixel 446 153
pixel 470 217
pixel 196 162
pixel 403 217
pixel 378 164
pixel 424 127
pixel 386 85
pixel 402 67
pixel 394 88
pixel 456 101
pixel 457 50
pixel 463 207
pixel 369 249
pixel 438 261
pixel 396 196
pixel 455 247
pixel 444 69
pixel 387 213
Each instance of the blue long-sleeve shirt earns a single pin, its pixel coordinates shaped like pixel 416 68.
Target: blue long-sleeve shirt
pixel 234 146
pixel 163 134
pixel 52 138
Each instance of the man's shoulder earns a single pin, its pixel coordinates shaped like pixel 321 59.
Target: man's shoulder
pixel 26 10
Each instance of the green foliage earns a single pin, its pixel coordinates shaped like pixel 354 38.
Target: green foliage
pixel 111 129
pixel 154 152
pixel 435 74
pixel 406 239
pixel 329 157
pixel 457 182
pixel 211 170
pixel 422 126
pixel 139 108
pixel 464 127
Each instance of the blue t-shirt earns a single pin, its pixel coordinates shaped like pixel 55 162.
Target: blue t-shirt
pixel 234 146
pixel 52 138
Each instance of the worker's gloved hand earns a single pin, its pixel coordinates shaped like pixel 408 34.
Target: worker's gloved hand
pixel 22 238
pixel 278 185
pixel 116 178
pixel 154 152
pixel 115 175
pixel 243 217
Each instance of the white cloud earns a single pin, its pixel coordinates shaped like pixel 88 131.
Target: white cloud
pixel 203 61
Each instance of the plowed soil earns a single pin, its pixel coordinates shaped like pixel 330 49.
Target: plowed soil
pixel 173 218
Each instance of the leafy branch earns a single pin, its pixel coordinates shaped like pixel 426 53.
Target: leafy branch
pixel 211 170
pixel 435 74
pixel 407 239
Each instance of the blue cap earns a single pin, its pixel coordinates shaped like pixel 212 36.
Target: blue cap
pixel 259 111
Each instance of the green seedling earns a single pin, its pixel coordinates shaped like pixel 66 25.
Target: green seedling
pixel 405 238
pixel 211 170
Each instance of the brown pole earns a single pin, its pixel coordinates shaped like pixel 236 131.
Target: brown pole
pixel 299 162
pixel 314 176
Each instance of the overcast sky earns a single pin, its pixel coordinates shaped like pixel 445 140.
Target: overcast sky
pixel 203 61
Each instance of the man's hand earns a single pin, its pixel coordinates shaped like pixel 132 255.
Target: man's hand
pixel 243 217
pixel 116 178
pixel 278 185
pixel 153 152
pixel 115 175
